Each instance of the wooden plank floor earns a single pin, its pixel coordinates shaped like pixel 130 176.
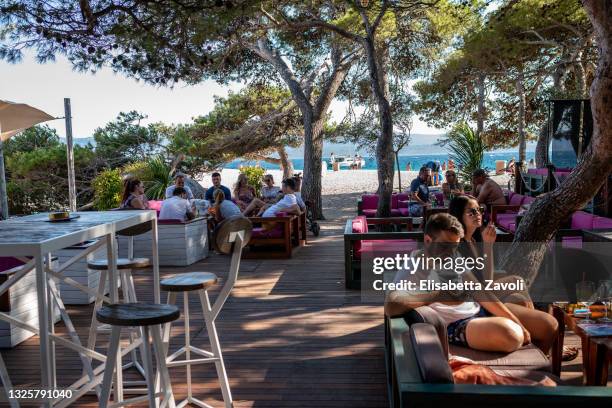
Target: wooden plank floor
pixel 292 336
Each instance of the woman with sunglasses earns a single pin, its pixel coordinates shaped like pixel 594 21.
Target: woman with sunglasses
pixel 451 186
pixel 477 241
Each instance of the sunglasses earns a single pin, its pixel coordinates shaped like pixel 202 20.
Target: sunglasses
pixel 472 212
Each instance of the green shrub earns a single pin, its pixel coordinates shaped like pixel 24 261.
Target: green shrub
pixel 254 175
pixel 154 174
pixel 108 187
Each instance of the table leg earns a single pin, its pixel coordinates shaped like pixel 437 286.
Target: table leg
pixel 586 360
pixel 51 323
pixel 41 289
pixel 111 255
pixel 155 253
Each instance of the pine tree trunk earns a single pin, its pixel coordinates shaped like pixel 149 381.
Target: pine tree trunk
pixel 384 147
pixel 541 150
pixel 313 154
pixel 548 211
pixel 481 105
pixel 520 89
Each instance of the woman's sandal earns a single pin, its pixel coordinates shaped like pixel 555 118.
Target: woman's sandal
pixel 569 353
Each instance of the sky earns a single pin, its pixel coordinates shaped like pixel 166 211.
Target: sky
pixel 97 98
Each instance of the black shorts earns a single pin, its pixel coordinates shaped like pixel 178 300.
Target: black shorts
pixel 456 330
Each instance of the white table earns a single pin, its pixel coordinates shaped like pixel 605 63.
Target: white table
pixel 32 236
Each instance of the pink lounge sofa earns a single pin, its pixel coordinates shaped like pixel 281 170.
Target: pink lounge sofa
pixel 399 204
pixel 360 243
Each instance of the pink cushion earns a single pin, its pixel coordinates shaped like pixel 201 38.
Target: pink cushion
pixel 369 201
pixel 394 201
pixel 155 205
pixel 259 232
pixel 403 197
pixel 404 212
pixel 506 221
pixel 510 194
pixel 582 220
pixel 395 212
pixel 602 222
pixel 360 225
pixel 7 262
pixel 386 247
pixel 571 242
pixel 516 199
pixel 369 213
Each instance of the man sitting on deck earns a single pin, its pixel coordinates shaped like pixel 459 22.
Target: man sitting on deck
pixel 179 181
pixel 216 180
pixel 419 192
pixel 177 207
pixel 486 190
pixel 287 204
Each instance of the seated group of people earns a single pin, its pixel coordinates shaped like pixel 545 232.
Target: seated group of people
pixel 180 205
pixel 489 321
pixel 486 191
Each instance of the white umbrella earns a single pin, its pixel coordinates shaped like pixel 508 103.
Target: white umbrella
pixel 15 118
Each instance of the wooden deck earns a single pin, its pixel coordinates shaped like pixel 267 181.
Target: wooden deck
pixel 292 336
pixel 290 333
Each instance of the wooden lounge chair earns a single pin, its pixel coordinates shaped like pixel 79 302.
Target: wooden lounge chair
pixel 276 242
pixel 418 374
pixel 360 242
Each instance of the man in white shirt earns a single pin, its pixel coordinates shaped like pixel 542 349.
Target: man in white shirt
pixel 288 203
pixel 179 181
pixel 177 207
pixel 484 323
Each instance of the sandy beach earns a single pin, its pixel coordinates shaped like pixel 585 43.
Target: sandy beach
pixel 338 182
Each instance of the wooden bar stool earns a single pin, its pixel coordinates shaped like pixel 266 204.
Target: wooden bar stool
pixel 148 317
pixel 230 237
pixel 125 266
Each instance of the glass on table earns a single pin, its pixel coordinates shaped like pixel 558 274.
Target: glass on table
pixel 604 294
pixel 585 293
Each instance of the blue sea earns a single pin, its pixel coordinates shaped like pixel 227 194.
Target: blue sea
pixel 415 161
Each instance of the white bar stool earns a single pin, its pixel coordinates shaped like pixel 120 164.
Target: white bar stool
pixel 149 317
pixel 230 237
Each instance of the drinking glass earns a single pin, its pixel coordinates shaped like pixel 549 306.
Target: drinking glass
pixel 604 293
pixel 585 292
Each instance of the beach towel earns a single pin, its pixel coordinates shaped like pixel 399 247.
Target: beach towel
pixel 466 371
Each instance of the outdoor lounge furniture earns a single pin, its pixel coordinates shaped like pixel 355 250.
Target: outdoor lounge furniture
pixel 276 242
pixel 581 221
pixel 418 373
pixel 182 243
pixel 148 317
pixel 231 236
pixel 368 204
pixel 18 301
pixel 360 242
pixel 504 216
pixel 80 273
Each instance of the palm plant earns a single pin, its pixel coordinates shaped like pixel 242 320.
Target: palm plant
pixel 466 149
pixel 155 174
